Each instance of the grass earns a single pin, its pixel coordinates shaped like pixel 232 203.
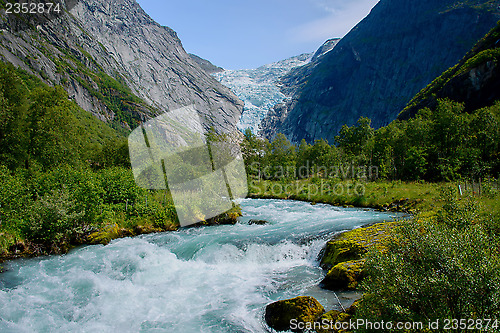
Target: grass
pixel 383 195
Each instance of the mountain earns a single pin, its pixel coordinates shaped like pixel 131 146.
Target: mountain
pixel 115 62
pixel 374 71
pixel 206 65
pixel 259 88
pixel 474 81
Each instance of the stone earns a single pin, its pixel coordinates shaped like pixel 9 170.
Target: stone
pixel 337 251
pixel 344 276
pixel 279 315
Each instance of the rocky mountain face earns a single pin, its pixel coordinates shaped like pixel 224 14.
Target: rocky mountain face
pixel 259 88
pixel 474 81
pixel 206 65
pixel 115 62
pixel 374 71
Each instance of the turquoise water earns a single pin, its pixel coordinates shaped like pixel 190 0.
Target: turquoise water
pixel 209 279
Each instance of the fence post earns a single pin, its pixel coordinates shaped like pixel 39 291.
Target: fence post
pixel 460 189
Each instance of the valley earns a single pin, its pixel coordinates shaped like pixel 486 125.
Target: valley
pixel 372 167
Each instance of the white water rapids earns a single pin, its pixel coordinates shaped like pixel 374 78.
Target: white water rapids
pixel 209 279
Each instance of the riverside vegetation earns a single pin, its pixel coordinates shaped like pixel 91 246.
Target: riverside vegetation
pixel 444 263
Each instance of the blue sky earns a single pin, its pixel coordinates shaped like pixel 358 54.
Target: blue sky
pixel 238 34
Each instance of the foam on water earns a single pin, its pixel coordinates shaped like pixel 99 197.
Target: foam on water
pixel 209 279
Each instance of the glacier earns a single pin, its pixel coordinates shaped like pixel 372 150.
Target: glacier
pixel 259 88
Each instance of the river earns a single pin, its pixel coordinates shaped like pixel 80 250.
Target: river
pixel 208 279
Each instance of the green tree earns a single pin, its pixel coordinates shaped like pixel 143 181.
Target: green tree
pixel 357 139
pixel 52 139
pixel 304 167
pixel 253 149
pixel 282 158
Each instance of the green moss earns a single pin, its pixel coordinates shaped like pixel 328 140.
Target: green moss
pixel 344 276
pixel 304 309
pixel 343 256
pixel 374 235
pixel 330 319
pixel 338 251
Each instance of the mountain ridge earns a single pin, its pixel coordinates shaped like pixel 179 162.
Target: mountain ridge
pixel 473 81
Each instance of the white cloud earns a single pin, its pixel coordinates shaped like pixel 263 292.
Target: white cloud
pixel 340 17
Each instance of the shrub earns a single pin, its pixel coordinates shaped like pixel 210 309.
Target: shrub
pixel 55 219
pixel 119 186
pixel 81 185
pixel 447 267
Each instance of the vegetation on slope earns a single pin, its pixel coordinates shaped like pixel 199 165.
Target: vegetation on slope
pixel 65 176
pixel 487 50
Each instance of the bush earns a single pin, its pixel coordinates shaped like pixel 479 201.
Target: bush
pixel 457 213
pixel 82 187
pixel 55 219
pixel 119 186
pixel 447 267
pixel 14 198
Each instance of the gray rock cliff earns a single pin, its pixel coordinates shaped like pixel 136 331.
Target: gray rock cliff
pixel 117 63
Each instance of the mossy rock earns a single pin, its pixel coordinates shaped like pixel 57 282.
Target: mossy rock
pixel 344 276
pixel 105 235
pixel 340 250
pixel 353 244
pixel 303 309
pixel 330 321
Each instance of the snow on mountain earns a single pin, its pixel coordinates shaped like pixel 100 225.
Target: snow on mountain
pixel 259 88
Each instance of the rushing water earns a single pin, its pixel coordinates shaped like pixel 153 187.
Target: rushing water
pixel 209 279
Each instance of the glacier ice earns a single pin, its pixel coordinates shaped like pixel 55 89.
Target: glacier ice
pixel 259 89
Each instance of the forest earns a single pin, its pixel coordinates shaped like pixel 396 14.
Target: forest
pixel 445 144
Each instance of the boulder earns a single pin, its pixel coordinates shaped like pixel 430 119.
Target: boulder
pixel 303 309
pixel 337 251
pixel 344 276
pixel 329 322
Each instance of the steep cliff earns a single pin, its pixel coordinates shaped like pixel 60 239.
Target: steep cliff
pixel 374 71
pixel 474 81
pixel 116 62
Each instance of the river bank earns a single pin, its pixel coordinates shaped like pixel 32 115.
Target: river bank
pixel 220 277
pixel 442 215
pixel 385 196
pixel 108 233
pixel 395 196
